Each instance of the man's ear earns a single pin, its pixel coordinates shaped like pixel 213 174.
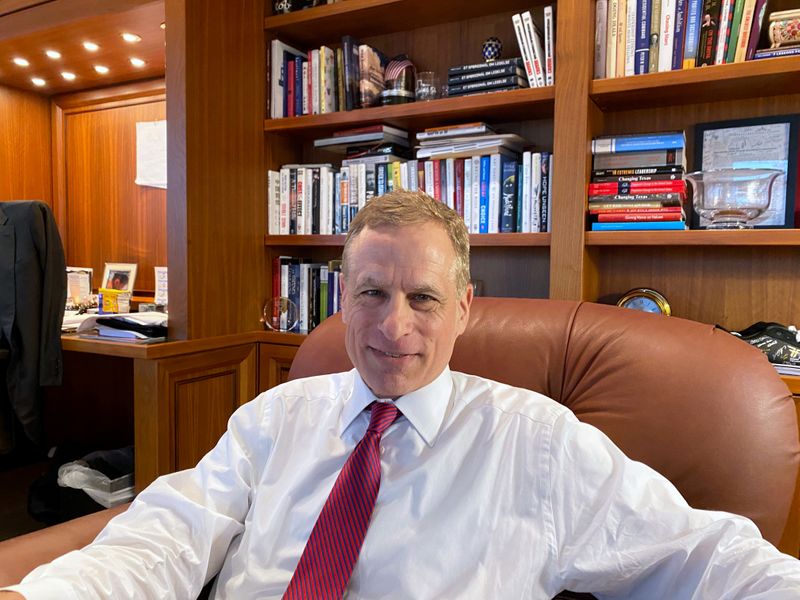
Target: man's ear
pixel 343 298
pixel 464 304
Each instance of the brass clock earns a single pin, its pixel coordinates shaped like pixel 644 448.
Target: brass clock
pixel 645 300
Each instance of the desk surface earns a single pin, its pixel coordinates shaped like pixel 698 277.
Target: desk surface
pixel 74 343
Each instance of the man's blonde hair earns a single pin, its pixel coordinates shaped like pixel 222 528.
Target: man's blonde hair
pixel 403 208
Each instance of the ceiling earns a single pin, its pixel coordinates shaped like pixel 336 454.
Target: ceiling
pixel 28 29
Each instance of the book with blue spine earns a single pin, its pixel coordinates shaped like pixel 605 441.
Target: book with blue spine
pixel 640 226
pixel 642 48
pixel 483 210
pixel 639 142
pixel 680 25
pixel 692 37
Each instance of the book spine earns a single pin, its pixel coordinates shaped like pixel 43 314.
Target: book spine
pixel 680 25
pixel 476 194
pixel 495 185
pixel 642 50
pixel 518 205
pixel 459 187
pixel 709 29
pixel 437 178
pixel 625 205
pixel 637 143
pixel 450 190
pixel 640 187
pixel 316 71
pixel 651 226
pixel 536 43
pixel 468 194
pixel 549 45
pixel 600 33
pixel 736 24
pixel 640 211
pixel 536 192
pixel 487 74
pixel 299 63
pixel 622 27
pixel 776 52
pixel 611 40
pixel 344 199
pixel 655 197
pixel 652 158
pixel 290 88
pixel 654 170
pixel 667 38
pixel 655 35
pixel 273 202
pixel 293 202
pixel 508 196
pixel 522 42
pixel 637 178
pixel 631 36
pixel 648 217
pixel 692 36
pixel 755 30
pixel 479 66
pixel 483 218
pixel 316 201
pixel 525 198
pixel 285 187
pixel 724 28
pixel 512 80
pixel 744 30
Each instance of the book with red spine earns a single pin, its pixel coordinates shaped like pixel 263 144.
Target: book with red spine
pixel 636 187
pixel 628 217
pixel 644 210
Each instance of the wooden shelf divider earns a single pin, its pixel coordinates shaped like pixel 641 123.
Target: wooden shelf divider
pixel 475 240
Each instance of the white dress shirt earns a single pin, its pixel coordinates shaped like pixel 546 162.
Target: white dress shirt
pixel 487 492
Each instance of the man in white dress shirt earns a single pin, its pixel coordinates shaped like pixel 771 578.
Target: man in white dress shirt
pixel 487 491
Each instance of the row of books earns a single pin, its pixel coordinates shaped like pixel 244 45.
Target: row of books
pixel 325 79
pixel 648 36
pixel 537 46
pixel 495 76
pixel 637 183
pixel 312 287
pixel 493 193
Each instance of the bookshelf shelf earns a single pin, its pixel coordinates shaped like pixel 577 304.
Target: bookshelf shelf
pixel 753 237
pixel 753 79
pixel 502 106
pixel 475 240
pixel 366 18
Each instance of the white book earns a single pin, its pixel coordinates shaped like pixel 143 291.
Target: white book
pixel 300 201
pixel 630 38
pixel 725 16
pixel 450 169
pixel 468 193
pixel 666 39
pixel 404 176
pixel 525 50
pixel 309 194
pixel 532 32
pixel 550 192
pixel 536 191
pixel 284 216
pixel 495 185
pixel 315 77
pixel 332 182
pixel 413 178
pixel 278 77
pixel 284 294
pixel 361 178
pixel 304 91
pixel 273 202
pixel 429 178
pixel 525 201
pixel 549 46
pixel 611 40
pixel 324 200
pixel 476 194
pixel 600 33
pixel 327 80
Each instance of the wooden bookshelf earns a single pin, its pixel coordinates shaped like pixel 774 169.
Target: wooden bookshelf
pixel 475 240
pixel 753 237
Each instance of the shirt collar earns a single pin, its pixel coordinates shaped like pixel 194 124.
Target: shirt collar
pixel 424 408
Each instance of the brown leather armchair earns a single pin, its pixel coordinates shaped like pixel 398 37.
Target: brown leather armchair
pixel 701 407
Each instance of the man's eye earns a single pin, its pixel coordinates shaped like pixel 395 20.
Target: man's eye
pixel 371 293
pixel 422 298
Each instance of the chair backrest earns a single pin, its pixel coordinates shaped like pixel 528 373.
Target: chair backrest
pixel 703 408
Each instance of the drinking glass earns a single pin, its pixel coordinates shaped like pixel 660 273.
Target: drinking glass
pixel 428 87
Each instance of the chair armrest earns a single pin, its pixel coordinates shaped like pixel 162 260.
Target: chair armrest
pixel 20 555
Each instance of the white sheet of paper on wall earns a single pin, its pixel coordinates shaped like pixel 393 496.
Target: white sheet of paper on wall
pixel 151 154
pixel 161 285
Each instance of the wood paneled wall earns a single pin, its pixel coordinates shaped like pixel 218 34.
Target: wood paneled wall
pixel 105 216
pixel 24 146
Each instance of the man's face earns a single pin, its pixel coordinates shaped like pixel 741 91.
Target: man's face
pixel 401 307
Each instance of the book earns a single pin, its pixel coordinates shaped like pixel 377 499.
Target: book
pixel 549 45
pixel 776 52
pixel 352 76
pixel 641 226
pixel 625 210
pixel 755 30
pixel 725 16
pixel 647 158
pixel 454 131
pixel 619 205
pixel 649 217
pixel 507 139
pixel 611 38
pixel 524 48
pixel 504 82
pixel 670 197
pixel 692 36
pixel 279 55
pixel 630 37
pixel 744 30
pixel 508 196
pixel 733 39
pixel 640 187
pixel 680 25
pixel 638 178
pixel 638 143
pixel 478 66
pixel 504 88
pixel 359 139
pixel 600 33
pixel 655 35
pixel 667 37
pixel 371 64
pixel 642 44
pixel 488 73
pixel 658 169
pixel 709 31
pixel 535 40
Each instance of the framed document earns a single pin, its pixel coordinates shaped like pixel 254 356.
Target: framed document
pixel 764 142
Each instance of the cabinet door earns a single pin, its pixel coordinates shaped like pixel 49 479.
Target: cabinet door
pixel 274 362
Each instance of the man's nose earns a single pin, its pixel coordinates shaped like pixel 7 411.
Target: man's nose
pixel 397 319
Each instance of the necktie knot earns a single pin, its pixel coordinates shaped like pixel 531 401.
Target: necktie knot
pixel 381 416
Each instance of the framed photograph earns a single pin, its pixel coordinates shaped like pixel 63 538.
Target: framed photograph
pixel 119 276
pixel 764 142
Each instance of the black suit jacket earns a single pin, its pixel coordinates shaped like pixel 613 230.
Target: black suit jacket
pixel 33 292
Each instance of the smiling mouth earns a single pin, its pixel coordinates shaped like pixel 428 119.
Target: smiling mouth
pixel 390 354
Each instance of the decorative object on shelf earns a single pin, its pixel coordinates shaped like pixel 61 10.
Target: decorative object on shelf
pixel 732 198
pixel 279 314
pixel 280 7
pixel 760 143
pixel 428 86
pixel 784 28
pixel 645 300
pixel 779 343
pixel 492 49
pixel 119 276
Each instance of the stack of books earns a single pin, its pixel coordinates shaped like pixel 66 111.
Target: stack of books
pixel 358 141
pixel 649 36
pixel 784 35
pixel 312 287
pixel 138 328
pixel 637 182
pixel 537 48
pixel 495 76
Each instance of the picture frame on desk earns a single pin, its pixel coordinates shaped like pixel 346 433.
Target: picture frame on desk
pixel 762 142
pixel 119 276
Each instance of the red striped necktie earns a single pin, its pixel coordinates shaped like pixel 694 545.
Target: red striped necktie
pixel 332 549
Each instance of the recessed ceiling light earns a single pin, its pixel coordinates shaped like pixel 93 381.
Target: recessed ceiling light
pixel 54 54
pixel 19 61
pixel 131 38
pixel 91 46
pixel 68 76
pixel 137 62
pixel 101 69
pixel 38 81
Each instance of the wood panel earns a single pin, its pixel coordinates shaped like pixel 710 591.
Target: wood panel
pixel 67 38
pixel 274 362
pixel 731 286
pixel 181 405
pixel 107 217
pixel 24 146
pixel 217 201
pixel 792 531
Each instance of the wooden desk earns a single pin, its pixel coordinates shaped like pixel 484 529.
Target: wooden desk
pixel 185 391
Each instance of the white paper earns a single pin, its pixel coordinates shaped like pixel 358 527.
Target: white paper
pixel 752 147
pixel 151 154
pixel 161 285
pixel 79 283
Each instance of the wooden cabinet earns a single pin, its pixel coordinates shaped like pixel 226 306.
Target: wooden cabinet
pixel 274 362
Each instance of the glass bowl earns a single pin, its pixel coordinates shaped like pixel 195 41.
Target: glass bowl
pixel 732 198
